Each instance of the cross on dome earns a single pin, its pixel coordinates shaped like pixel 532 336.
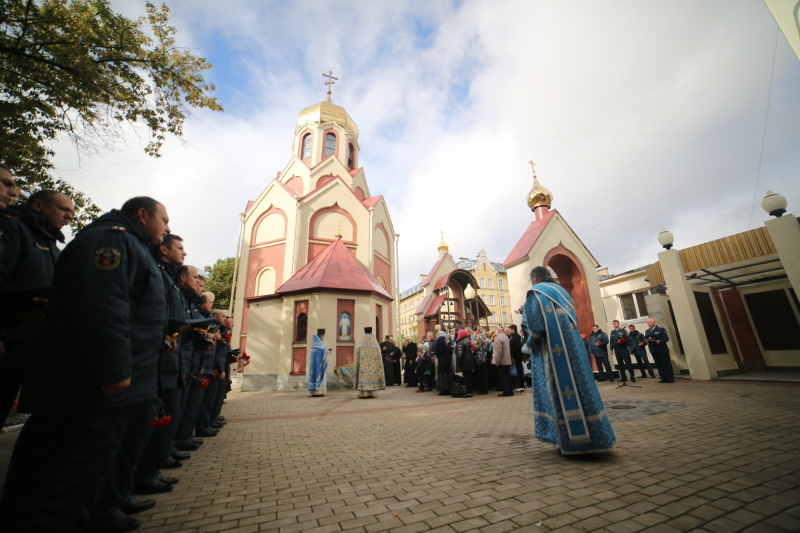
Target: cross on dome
pixel 331 81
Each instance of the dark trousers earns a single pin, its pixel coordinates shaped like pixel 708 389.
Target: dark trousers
pixel 396 372
pixel 203 423
pixel 602 363
pixel 468 375
pixel 644 364
pixel 664 365
pixel 159 445
pixel 519 379
pixel 10 383
pixel 504 379
pixel 410 375
pixel 624 362
pixel 222 392
pixel 480 378
pixel 189 416
pixel 60 465
pixel 119 486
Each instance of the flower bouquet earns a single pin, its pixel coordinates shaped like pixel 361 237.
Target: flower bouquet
pixel 202 383
pixel 161 417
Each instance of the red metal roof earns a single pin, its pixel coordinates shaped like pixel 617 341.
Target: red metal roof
pixel 529 238
pixel 333 268
pixel 435 305
pixel 423 304
pixel 372 201
pixel 435 266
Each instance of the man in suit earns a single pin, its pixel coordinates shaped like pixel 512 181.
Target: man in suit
pixel 657 338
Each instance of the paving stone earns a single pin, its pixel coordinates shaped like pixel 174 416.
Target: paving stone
pixel 340 465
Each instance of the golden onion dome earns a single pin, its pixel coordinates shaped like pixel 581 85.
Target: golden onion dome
pixel 442 245
pixel 539 196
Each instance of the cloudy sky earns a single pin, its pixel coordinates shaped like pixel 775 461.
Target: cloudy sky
pixel 639 115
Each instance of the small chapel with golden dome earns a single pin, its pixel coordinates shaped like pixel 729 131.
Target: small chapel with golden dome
pixel 316 253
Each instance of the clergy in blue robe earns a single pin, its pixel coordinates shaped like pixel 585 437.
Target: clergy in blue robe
pixel 567 408
pixel 318 367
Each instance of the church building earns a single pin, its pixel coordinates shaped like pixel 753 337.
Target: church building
pixel 550 242
pixel 316 253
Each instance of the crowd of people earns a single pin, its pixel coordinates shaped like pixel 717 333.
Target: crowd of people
pixel 114 348
pixel 461 364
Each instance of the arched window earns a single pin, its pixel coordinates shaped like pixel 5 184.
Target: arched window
pixel 351 156
pixel 301 330
pixel 330 144
pixel 306 152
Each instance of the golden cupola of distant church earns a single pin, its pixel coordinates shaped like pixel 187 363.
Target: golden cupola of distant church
pixel 539 196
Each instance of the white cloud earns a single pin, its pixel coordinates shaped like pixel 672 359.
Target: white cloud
pixel 638 114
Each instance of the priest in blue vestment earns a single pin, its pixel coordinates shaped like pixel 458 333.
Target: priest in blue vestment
pixel 567 408
pixel 318 367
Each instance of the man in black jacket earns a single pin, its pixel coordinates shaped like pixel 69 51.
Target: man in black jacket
pixel 619 345
pixel 515 345
pixel 657 338
pixel 96 382
pixel 28 254
pixel 598 347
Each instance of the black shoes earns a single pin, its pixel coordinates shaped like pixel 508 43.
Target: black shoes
pixel 207 434
pixel 118 522
pixel 134 506
pixel 167 480
pixel 154 487
pixel 186 447
pixel 504 394
pixel 181 456
pixel 172 463
pixel 633 378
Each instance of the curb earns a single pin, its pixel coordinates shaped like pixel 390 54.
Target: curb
pixel 11 429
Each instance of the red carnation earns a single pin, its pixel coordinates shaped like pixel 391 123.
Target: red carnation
pixel 622 340
pixel 203 383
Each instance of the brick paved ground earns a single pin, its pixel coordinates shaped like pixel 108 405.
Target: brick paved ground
pixel 690 456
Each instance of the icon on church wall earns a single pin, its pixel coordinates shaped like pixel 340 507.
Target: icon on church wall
pixel 345 326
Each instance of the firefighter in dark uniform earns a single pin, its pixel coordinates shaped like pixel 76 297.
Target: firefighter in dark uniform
pixel 96 377
pixel 657 338
pixel 28 254
pixel 619 345
pixel 148 479
pixel 639 351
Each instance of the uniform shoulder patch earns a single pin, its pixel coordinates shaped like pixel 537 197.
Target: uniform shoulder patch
pixel 107 258
pixel 118 228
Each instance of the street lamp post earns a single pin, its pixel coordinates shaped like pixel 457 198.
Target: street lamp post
pixel 469 294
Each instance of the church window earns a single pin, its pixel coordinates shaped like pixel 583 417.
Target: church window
pixel 351 156
pixel 633 305
pixel 301 328
pixel 306 153
pixel 330 144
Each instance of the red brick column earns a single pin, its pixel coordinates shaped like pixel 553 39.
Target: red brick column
pixel 736 311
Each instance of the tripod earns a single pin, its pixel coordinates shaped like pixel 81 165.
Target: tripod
pixel 625 384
